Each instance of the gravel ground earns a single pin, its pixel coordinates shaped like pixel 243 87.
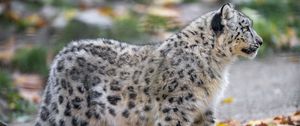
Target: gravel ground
pixel 262 88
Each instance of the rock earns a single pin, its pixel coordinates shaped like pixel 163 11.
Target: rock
pixel 29 86
pixel 93 17
pixel 60 21
pixel 1 8
pixel 7 50
pixel 18 7
pixel 49 12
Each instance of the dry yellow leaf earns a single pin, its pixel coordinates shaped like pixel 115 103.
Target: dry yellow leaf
pixel 13 15
pixel 222 124
pixel 297 113
pixel 163 12
pixel 228 100
pixel 107 11
pixel 253 123
pixel 70 14
pixel 35 20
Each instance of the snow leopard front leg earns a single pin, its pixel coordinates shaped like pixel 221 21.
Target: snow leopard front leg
pixel 205 119
pixel 180 118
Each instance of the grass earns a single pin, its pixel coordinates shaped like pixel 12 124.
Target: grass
pixel 31 60
pixel 14 106
pixel 274 24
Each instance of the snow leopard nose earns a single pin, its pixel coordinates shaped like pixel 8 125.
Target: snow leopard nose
pixel 259 40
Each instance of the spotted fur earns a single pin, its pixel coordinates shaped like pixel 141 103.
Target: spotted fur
pixel 176 83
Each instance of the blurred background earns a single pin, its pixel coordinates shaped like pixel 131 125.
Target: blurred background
pixel 264 91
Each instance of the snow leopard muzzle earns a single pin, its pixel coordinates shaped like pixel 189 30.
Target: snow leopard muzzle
pixel 250 50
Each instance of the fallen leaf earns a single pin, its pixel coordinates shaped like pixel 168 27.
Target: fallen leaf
pixel 163 11
pixel 228 100
pixel 36 20
pixel 229 123
pixel 297 113
pixel 234 123
pixel 69 14
pixel 222 124
pixel 286 120
pixel 107 11
pixel 36 98
pixel 289 121
pixel 7 50
pixel 13 15
pixel 28 81
pixel 277 118
pixel 294 59
pixel 29 86
pixel 262 124
pixel 253 122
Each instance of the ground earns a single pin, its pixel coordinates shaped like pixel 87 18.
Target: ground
pixel 260 88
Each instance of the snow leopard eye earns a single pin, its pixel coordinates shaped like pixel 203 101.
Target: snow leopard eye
pixel 246 28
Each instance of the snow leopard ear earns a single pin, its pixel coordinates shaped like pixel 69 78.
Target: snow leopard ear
pixel 227 11
pixel 221 17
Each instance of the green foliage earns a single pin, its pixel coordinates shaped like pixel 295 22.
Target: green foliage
pixel 153 23
pixel 272 20
pixel 267 9
pixel 31 60
pixel 282 13
pixel 33 5
pixel 143 1
pixel 127 29
pixel 5 81
pixel 267 30
pixel 75 30
pixel 7 23
pixel 13 100
pixel 10 18
pixel 296 49
pixel 190 1
pixel 295 10
pixel 264 29
pixel 59 3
